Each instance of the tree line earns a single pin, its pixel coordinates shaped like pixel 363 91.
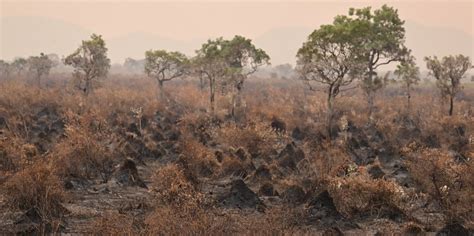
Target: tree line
pixel 352 48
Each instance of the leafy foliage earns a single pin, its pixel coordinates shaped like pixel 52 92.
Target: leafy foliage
pixel 409 73
pixel 39 66
pixel 380 37
pixel 89 61
pixel 448 72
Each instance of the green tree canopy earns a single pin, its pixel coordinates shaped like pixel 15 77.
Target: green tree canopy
pixel 228 62
pixel 448 73
pixel 39 66
pixel 409 74
pixel 330 57
pixel 165 66
pixel 90 62
pixel 380 37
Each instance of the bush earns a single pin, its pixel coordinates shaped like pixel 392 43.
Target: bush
pixel 116 224
pixel 447 182
pixel 84 152
pixel 173 187
pixel 36 187
pixel 259 139
pixel 358 194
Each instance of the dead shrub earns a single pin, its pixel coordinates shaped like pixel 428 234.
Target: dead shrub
pixel 259 138
pixel 84 152
pixel 447 182
pixel 200 221
pixel 38 188
pixel 197 157
pixel 327 163
pixel 117 224
pixel 358 195
pixel 231 166
pixel 173 187
pixel 15 154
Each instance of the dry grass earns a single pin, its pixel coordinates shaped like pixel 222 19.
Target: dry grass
pixel 36 187
pixel 360 195
pixel 94 135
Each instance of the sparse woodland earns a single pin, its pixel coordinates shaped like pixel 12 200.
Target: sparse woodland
pixel 204 145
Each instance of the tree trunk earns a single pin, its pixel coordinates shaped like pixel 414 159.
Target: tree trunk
pixel 237 101
pixel 234 105
pixel 39 81
pixel 201 83
pixel 161 91
pixel 88 87
pixel 370 92
pixel 212 94
pixel 370 102
pixel 330 111
pixel 451 105
pixel 408 98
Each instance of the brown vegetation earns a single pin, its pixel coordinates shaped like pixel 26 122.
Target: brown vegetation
pixel 62 157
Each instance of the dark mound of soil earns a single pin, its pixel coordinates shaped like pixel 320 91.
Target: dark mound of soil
pixel 241 196
pixel 294 195
pixel 454 229
pixel 267 190
pixel 263 173
pixel 297 134
pixel 322 207
pixel 3 122
pixel 290 156
pixel 376 172
pixel 333 231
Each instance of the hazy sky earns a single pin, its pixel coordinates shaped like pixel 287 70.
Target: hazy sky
pixel 28 27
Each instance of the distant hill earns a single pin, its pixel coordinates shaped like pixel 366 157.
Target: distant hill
pixel 25 36
pixel 283 43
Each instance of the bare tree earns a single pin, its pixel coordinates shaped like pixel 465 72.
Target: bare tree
pixel 448 73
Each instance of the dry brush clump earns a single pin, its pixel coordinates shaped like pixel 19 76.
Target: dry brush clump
pixel 448 183
pixel 197 158
pixel 114 223
pixel 36 188
pixel 360 195
pixel 86 151
pixel 259 139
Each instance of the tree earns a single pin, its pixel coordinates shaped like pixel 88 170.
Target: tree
pixel 20 65
pixel 165 66
pixel 5 69
pixel 448 73
pixel 210 64
pixel 329 57
pixel 39 66
pixel 134 66
pixel 243 59
pixel 409 74
pixel 380 37
pixel 90 62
